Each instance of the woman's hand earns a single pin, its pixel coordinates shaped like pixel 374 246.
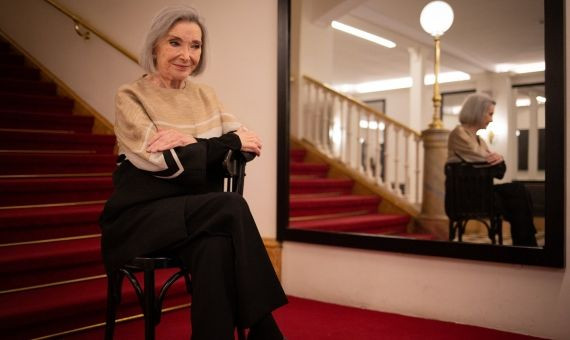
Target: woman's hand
pixel 167 139
pixel 494 158
pixel 250 141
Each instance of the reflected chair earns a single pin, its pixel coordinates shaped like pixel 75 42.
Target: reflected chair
pixel 151 304
pixel 469 195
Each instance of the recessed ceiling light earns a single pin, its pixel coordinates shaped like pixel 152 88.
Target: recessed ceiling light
pixel 363 34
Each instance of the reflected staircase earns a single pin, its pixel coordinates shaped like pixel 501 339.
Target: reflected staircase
pixel 323 201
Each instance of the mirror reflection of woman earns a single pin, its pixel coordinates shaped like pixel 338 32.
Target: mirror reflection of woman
pixel 464 145
pixel 173 135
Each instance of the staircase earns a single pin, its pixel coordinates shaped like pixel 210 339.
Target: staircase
pixel 321 202
pixel 55 175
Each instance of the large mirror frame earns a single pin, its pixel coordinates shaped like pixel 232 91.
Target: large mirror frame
pixel 551 255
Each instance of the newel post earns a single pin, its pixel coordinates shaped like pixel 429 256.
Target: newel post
pixel 432 217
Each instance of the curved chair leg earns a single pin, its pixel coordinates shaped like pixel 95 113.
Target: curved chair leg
pixel 114 287
pixel 149 305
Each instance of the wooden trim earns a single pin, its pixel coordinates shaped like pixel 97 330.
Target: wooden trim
pixel 274 249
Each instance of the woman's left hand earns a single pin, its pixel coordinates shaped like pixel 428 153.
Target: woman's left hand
pixel 167 139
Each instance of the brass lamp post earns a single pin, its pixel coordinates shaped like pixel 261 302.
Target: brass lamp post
pixel 436 18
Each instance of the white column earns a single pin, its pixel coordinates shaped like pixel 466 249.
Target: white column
pixel 533 137
pixel 417 72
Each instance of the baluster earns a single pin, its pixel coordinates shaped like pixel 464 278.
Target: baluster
pixel 406 165
pixel 418 171
pixel 317 119
pixel 397 160
pixel 342 130
pixel 352 136
pixel 379 139
pixel 387 155
pixel 369 146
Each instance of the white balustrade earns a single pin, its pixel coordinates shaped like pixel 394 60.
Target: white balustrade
pixel 383 150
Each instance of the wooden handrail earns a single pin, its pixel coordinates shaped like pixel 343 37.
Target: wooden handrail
pixel 360 104
pixel 78 20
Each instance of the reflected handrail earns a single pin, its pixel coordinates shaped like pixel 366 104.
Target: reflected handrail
pixel 384 151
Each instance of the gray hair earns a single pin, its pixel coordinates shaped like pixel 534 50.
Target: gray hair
pixel 160 25
pixel 474 108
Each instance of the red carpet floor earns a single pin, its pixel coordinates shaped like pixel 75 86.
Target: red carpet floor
pixel 305 319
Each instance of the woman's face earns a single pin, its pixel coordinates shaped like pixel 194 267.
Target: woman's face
pixel 488 116
pixel 178 53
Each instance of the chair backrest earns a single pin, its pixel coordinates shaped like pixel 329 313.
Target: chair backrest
pixel 469 191
pixel 234 165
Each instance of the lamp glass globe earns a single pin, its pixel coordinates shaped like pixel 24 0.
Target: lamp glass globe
pixel 436 18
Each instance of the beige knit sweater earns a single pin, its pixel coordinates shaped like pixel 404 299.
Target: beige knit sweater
pixel 467 145
pixel 142 107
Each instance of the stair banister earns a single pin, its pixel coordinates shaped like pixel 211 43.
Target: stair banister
pixel 331 121
pixel 78 21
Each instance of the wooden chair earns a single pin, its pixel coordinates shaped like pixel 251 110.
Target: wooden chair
pixel 469 195
pixel 150 303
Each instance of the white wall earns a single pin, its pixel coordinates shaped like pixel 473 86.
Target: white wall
pixel 516 298
pixel 242 64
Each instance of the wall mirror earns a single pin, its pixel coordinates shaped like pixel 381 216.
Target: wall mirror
pixel 544 154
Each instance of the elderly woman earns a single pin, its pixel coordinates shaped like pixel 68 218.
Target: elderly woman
pixel 173 135
pixel 465 146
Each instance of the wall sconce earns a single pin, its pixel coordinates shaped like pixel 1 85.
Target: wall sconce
pixel 436 18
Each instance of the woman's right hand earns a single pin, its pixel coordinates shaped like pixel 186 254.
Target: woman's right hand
pixel 250 141
pixel 166 139
pixel 494 158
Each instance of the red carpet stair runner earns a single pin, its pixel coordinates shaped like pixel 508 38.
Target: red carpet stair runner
pixel 54 178
pixel 327 204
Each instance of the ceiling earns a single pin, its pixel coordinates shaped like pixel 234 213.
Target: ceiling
pixel 484 33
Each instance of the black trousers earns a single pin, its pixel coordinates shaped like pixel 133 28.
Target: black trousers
pixel 514 201
pixel 233 280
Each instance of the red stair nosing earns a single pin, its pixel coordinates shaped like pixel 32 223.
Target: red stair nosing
pixel 314 206
pixel 26 140
pixel 60 120
pixel 320 185
pixel 11 58
pixel 27 86
pixel 298 155
pixel 54 309
pixel 314 169
pixel 55 163
pixel 19 72
pixel 28 191
pixel 49 215
pixel 35 103
pixel 26 265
